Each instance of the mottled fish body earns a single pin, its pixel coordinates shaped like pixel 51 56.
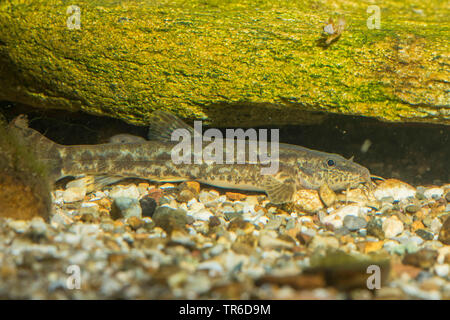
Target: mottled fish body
pixel 126 157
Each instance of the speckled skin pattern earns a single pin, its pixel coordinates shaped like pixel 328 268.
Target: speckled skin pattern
pixel 298 167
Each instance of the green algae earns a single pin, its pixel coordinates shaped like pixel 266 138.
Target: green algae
pixel 230 62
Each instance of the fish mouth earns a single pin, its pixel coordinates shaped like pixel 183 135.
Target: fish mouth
pixel 364 179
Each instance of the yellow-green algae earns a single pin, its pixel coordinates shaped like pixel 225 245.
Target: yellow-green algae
pixel 232 62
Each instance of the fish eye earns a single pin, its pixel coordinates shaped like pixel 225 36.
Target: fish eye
pixel 331 162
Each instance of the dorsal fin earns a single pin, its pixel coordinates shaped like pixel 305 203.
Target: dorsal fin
pixel 163 123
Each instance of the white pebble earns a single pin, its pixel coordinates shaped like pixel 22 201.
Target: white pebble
pixel 396 189
pixel 19 226
pixel 130 191
pixel 442 270
pixel 392 227
pixel 433 193
pixel 203 215
pixel 435 225
pixel 74 194
pixel 196 206
pixel 350 210
pixel 167 186
pixel 333 220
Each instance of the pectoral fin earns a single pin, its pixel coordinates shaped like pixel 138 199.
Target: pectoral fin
pixel 279 191
pixel 94 183
pixel 99 182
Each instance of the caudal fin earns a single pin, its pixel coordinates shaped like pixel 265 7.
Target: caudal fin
pixel 46 150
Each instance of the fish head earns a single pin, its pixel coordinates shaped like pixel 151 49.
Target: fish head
pixel 332 169
pixel 341 173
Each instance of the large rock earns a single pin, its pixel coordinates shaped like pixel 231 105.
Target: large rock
pixel 232 62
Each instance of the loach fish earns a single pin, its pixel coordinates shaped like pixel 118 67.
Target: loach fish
pixel 298 167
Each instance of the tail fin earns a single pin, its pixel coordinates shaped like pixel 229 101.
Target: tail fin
pixel 46 150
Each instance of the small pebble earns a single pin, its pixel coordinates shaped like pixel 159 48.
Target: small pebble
pixel 353 223
pixel 123 207
pixel 170 219
pixel 433 193
pixel 130 191
pixel 148 206
pixel 424 234
pixel 447 196
pixel 203 215
pixel 412 208
pixel 327 195
pixel 375 228
pixel 435 225
pixel 185 196
pixel 444 234
pixel 424 258
pixel 308 200
pixel 74 194
pixel 392 227
pixel 442 270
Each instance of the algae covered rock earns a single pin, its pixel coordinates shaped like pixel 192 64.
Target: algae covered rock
pixel 233 63
pixel 24 188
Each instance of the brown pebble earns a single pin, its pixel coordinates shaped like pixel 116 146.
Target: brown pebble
pixel 88 218
pixel 214 222
pixel 372 246
pixel 327 195
pixel 155 194
pixel 104 203
pixel 399 268
pixel 412 208
pixel 239 223
pixel 135 223
pixel 424 258
pixel 185 195
pixel 192 186
pixel 416 225
pixel 304 238
pixel 444 234
pixel 242 248
pixel 170 219
pixel 233 196
pixel 307 200
pixel 116 258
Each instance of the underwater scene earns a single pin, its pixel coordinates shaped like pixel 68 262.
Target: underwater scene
pixel 224 150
